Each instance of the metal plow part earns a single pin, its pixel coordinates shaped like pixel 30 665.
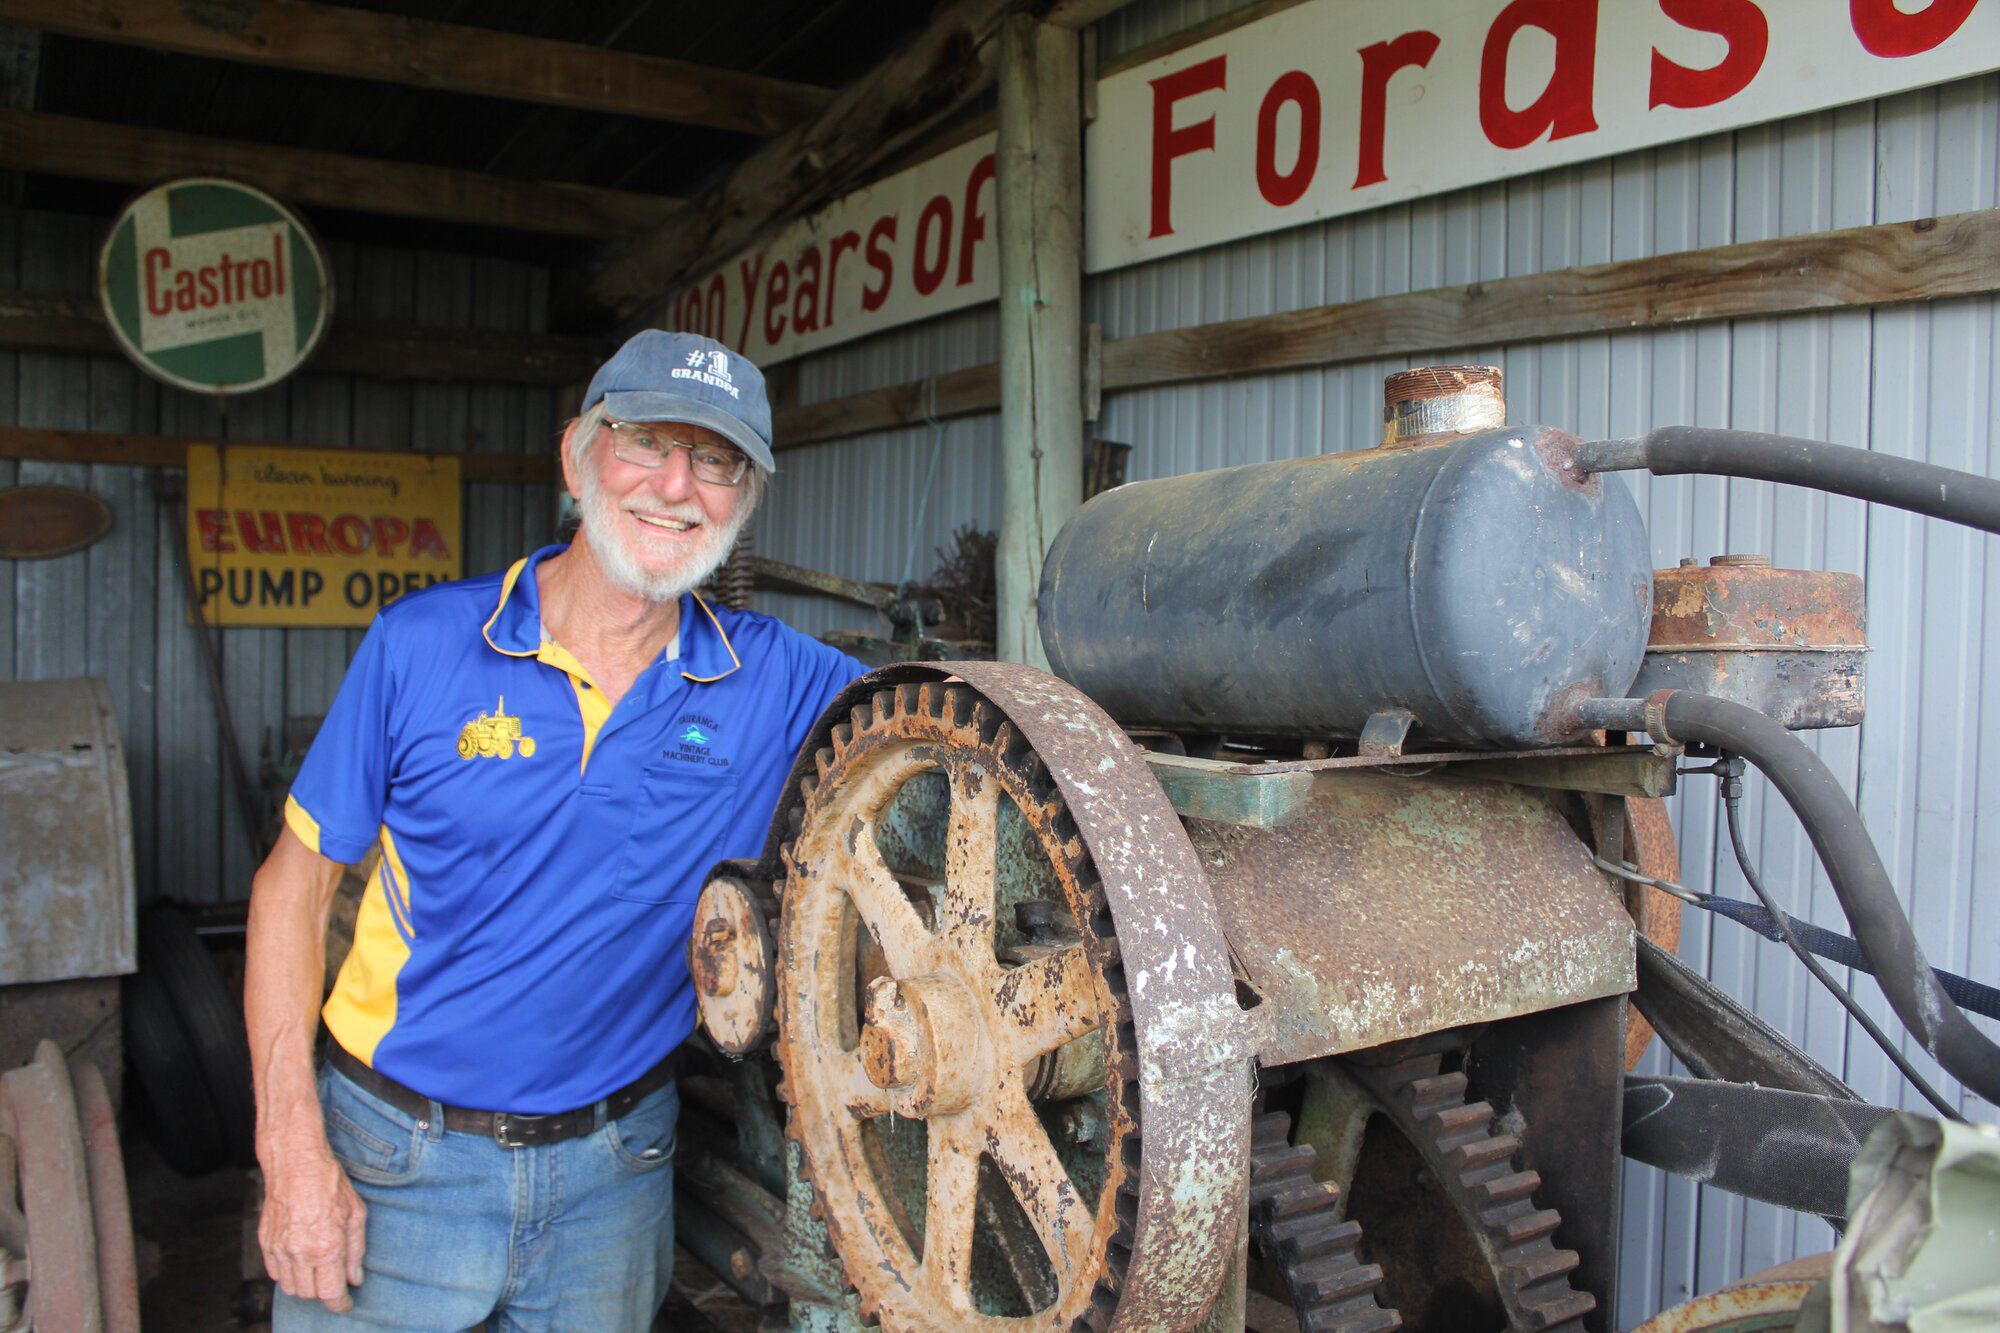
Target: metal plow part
pixel 1018 1072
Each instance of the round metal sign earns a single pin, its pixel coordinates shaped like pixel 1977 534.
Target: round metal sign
pixel 214 286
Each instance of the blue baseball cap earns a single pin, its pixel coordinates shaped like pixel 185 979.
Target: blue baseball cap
pixel 661 376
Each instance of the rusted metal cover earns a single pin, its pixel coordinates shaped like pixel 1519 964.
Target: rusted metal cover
pixel 66 897
pixel 1394 906
pixel 1760 1303
pixel 41 522
pixel 1791 643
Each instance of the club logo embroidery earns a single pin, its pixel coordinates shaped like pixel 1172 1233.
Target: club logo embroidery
pixel 716 374
pixel 693 736
pixel 494 736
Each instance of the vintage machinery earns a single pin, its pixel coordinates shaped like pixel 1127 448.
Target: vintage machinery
pixel 1281 950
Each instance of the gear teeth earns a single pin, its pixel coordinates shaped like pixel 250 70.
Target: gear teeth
pixel 1296 1224
pixel 1433 1096
pixel 1340 1319
pixel 1509 1188
pixel 1563 1310
pixel 1477 1168
pixel 1536 1269
pixel 1473 1153
pixel 1522 1222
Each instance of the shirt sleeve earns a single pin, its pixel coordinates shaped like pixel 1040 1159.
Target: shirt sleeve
pixel 820 672
pixel 337 800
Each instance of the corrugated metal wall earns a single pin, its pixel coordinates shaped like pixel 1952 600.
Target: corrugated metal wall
pixel 117 609
pixel 1916 381
pixel 861 507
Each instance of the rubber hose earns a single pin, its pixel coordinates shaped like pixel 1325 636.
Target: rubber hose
pixel 1860 880
pixel 1902 483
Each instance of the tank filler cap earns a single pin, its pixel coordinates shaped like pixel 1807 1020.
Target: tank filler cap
pixel 1435 403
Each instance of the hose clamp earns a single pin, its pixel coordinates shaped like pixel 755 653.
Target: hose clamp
pixel 1656 717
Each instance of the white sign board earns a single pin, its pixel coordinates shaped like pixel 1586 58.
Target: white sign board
pixel 1333 107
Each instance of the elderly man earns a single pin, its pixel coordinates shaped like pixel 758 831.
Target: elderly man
pixel 549 759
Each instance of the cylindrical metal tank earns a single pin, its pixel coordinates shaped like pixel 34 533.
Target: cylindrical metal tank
pixel 1484 584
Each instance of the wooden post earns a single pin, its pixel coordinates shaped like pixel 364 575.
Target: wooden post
pixel 1040 175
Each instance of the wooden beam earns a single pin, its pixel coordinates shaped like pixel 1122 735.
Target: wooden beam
pixel 1196 32
pixel 944 67
pixel 359 44
pixel 132 155
pixel 126 449
pixel 1887 264
pixel 1926 260
pixel 1081 13
pixel 1039 174
pixel 956 394
pixel 46 323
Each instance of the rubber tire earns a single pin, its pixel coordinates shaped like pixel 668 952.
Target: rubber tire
pixel 213 1023
pixel 185 1126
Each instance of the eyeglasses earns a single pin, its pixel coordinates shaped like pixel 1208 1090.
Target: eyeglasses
pixel 647 446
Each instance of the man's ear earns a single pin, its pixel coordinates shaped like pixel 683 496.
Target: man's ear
pixel 571 469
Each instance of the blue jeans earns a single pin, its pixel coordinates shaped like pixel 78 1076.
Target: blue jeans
pixel 465 1233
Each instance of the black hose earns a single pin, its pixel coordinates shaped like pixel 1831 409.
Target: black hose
pixel 1859 879
pixel 1732 797
pixel 1902 483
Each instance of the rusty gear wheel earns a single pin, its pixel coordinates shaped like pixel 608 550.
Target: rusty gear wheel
pixel 1296 1224
pixel 953 1025
pixel 1449 1159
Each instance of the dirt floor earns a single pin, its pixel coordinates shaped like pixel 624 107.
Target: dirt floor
pixel 191 1243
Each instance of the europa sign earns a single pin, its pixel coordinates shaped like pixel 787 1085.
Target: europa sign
pixel 280 536
pixel 213 286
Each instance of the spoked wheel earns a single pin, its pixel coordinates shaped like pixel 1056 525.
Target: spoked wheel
pixel 954 1026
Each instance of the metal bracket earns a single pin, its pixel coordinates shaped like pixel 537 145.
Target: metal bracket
pixel 1384 732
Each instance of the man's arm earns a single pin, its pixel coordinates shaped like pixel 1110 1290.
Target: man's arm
pixel 313 1225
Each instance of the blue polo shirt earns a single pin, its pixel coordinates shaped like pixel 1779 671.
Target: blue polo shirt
pixel 521 945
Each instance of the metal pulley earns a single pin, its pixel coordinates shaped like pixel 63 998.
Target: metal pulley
pixel 732 958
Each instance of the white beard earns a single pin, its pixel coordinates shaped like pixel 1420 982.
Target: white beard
pixel 619 563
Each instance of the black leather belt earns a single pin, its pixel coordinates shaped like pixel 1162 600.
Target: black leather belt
pixel 506 1128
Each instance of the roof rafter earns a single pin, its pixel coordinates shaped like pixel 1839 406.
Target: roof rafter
pixel 131 155
pixel 356 43
pixel 54 322
pixel 885 110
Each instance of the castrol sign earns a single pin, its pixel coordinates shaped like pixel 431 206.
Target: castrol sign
pixel 214 286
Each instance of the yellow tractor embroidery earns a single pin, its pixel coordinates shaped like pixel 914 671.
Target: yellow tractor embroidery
pixel 494 735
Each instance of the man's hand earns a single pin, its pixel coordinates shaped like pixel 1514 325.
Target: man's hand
pixel 313 1225
pixel 314 1230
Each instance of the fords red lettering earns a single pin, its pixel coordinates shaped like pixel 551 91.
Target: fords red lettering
pixel 1563 108
pixel 1170 142
pixel 1738 22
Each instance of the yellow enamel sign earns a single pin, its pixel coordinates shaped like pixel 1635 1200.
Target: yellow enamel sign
pixel 316 536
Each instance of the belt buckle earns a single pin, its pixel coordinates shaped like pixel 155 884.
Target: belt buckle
pixel 503 1129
